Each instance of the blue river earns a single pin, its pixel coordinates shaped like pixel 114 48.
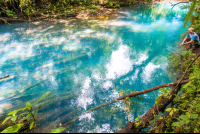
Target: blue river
pixel 87 62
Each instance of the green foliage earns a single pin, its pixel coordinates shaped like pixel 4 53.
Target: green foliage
pixel 95 131
pixel 164 93
pixel 174 62
pixel 112 5
pixel 20 116
pixel 179 62
pixel 13 129
pixel 183 115
pixel 190 12
pixel 187 57
pixel 58 130
pixel 10 12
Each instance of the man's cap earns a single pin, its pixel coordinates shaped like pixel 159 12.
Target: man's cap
pixel 191 29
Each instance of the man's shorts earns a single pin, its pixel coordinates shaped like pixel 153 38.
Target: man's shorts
pixel 195 42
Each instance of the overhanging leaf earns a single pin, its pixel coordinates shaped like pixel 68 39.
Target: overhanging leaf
pixel 14 118
pixel 42 97
pixel 190 12
pixel 171 113
pixel 194 116
pixel 176 124
pixel 15 111
pixel 12 129
pixel 95 131
pixel 36 114
pixel 6 120
pixel 169 109
pixel 28 105
pixel 27 116
pixel 183 117
pixel 31 125
pixel 57 130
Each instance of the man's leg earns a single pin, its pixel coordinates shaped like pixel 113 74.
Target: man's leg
pixel 189 45
pixel 196 44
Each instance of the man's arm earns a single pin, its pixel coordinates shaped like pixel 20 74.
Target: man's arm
pixel 191 41
pixel 183 41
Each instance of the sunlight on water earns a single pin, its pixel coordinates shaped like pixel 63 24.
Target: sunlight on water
pixel 120 63
pixel 84 63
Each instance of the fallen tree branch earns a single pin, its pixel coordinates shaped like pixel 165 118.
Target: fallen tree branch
pixel 128 95
pixel 154 110
pixel 150 114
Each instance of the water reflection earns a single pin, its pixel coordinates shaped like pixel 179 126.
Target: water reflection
pixel 119 63
pixel 85 63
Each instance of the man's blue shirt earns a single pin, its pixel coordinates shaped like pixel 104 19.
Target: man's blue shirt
pixel 193 37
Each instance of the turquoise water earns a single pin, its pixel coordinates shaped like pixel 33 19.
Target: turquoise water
pixel 84 63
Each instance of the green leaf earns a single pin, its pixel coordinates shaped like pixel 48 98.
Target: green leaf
pixel 190 12
pixel 171 112
pixel 42 97
pixel 12 129
pixel 169 109
pixel 13 113
pixel 39 107
pixel 175 124
pixel 22 114
pixel 28 105
pixel 57 130
pixel 36 114
pixel 14 118
pixel 188 84
pixel 95 131
pixel 31 125
pixel 27 116
pixel 6 120
pixel 183 117
pixel 194 116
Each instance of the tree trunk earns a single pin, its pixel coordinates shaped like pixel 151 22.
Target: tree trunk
pixel 150 114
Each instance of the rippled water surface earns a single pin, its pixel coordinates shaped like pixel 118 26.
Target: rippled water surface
pixel 85 63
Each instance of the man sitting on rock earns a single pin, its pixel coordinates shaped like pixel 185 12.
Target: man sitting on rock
pixel 192 39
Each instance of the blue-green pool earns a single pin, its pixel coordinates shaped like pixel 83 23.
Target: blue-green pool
pixel 85 63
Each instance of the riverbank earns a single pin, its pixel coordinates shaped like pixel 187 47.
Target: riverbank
pixel 80 12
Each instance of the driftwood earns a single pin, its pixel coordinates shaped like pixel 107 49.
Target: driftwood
pixel 153 111
pixel 4 77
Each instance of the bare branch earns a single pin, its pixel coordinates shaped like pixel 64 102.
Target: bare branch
pixel 173 5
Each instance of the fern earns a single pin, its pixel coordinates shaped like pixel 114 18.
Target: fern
pixel 190 12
